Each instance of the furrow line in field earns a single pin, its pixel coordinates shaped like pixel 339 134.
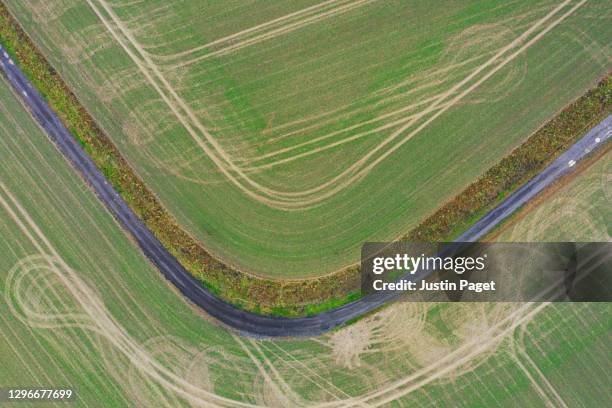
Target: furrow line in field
pixel 229 45
pixel 313 196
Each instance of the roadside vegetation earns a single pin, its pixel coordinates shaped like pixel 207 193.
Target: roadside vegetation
pixel 298 296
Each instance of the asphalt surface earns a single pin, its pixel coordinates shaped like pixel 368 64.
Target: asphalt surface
pixel 245 322
pixel 594 139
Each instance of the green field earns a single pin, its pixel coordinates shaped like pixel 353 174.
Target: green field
pixel 83 308
pixel 285 134
pixel 579 212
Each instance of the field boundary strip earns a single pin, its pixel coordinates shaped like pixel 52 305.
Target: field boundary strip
pixel 306 296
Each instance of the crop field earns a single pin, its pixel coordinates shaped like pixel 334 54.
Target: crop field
pixel 82 308
pixel 579 212
pixel 284 134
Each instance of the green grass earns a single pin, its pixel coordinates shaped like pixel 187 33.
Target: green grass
pixel 340 62
pixel 126 294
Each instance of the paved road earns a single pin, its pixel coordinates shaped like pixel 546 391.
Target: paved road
pixel 245 322
pixel 594 139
